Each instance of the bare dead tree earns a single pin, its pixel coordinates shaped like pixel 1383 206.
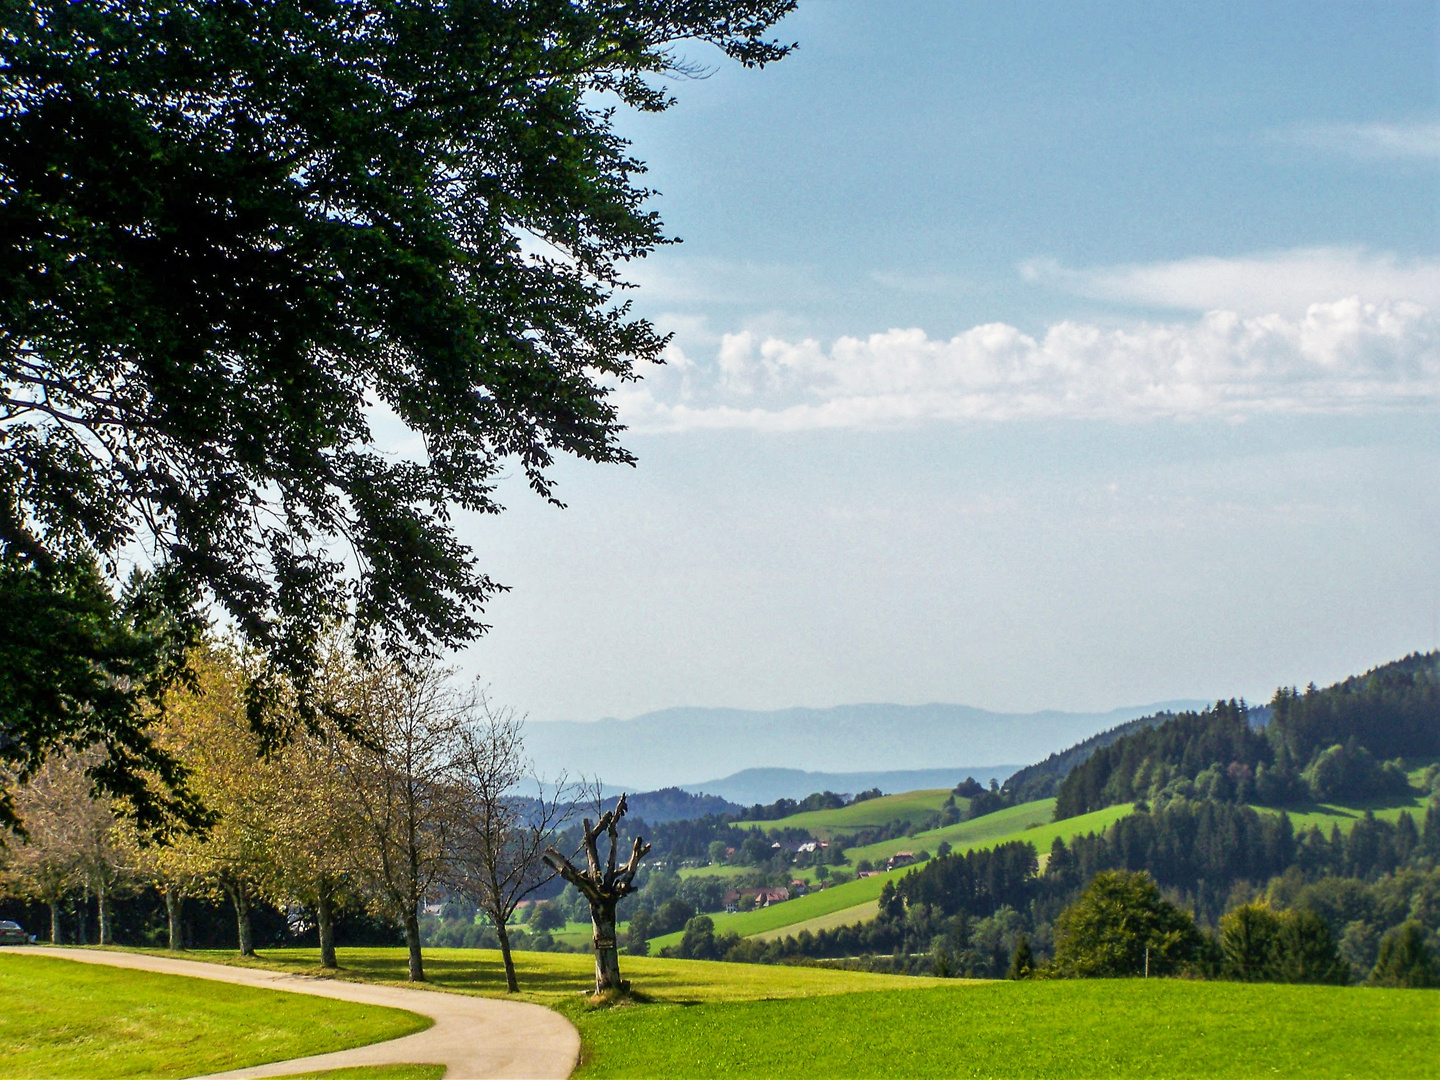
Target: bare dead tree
pixel 603 885
pixel 502 836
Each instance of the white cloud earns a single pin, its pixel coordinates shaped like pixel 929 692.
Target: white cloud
pixel 1368 142
pixel 1344 356
pixel 1279 281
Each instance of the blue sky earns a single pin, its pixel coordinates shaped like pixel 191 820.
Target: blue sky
pixel 1025 356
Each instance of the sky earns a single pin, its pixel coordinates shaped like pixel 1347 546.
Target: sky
pixel 1025 356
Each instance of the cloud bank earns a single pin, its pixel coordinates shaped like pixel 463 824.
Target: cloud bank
pixel 1283 281
pixel 1343 356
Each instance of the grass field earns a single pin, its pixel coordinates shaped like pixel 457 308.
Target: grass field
pixel 1122 1028
pixel 1325 815
pixel 989 831
pixel 911 807
pixel 844 917
pixel 63 1019
pixel 692 1018
pixel 561 979
pixel 801 909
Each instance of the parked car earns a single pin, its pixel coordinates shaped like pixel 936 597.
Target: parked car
pixel 12 933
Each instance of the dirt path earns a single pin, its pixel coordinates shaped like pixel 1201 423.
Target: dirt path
pixel 474 1038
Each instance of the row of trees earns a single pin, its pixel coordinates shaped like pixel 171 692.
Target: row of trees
pixel 419 793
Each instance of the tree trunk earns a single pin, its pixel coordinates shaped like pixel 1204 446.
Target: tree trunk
pixel 241 899
pixel 412 943
pixel 325 917
pixel 607 956
pixel 102 903
pixel 174 903
pixel 83 916
pixel 512 984
pixel 57 933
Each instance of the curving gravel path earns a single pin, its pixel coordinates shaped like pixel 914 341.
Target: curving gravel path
pixel 474 1038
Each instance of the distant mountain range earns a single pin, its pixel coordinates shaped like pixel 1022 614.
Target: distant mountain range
pixel 691 747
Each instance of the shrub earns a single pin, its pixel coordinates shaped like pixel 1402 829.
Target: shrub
pixel 1106 933
pixel 1405 960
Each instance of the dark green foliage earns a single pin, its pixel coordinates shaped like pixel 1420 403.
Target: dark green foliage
pixel 1392 710
pixel 781 808
pixel 1120 917
pixel 1348 771
pixel 233 233
pixel 547 916
pixel 1022 964
pixel 672 915
pixel 1260 944
pixel 1325 744
pixel 1181 749
pixel 1200 848
pixel 1405 959
pixel 1043 779
pixel 639 932
pixel 698 941
pixel 975 883
pixel 1305 951
pixel 1247 942
pixel 79 669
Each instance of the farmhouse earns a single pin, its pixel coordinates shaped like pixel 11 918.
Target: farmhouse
pixel 900 858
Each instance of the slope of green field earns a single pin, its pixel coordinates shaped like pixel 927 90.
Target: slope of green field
pixel 1012 819
pixel 806 908
pixel 910 807
pixel 1084 1028
pixel 1029 822
pixel 60 1018
pixel 844 917
pixel 1324 815
pixel 801 909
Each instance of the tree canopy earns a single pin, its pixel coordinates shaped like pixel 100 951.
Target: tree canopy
pixel 238 238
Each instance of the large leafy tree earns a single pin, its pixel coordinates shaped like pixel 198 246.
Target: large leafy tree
pixel 235 235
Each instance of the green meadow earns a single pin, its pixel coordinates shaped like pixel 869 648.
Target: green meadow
pixel 693 1018
pixel 59 1018
pixel 1109 1028
pixel 911 807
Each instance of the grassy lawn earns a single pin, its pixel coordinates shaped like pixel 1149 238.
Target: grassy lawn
pixel 64 1019
pixel 910 807
pixel 1124 1028
pixel 562 979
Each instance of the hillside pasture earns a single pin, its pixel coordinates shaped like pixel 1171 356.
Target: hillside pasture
pixel 64 1019
pixel 1326 815
pixel 1012 819
pixel 911 807
pixel 801 909
pixel 1083 1028
pixel 844 917
pixel 989 831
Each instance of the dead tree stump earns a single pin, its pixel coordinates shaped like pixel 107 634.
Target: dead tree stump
pixel 603 886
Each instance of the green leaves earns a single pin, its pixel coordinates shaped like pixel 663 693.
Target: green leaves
pixel 232 234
